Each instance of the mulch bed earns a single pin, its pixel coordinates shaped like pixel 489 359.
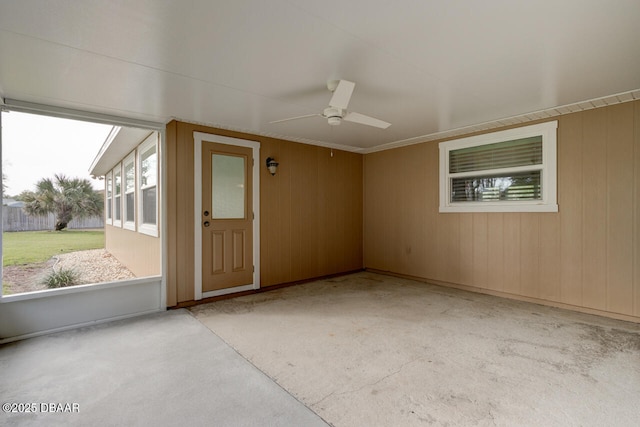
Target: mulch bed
pixel 92 266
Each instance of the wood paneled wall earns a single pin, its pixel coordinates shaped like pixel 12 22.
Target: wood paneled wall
pixel 587 255
pixel 310 211
pixel 139 252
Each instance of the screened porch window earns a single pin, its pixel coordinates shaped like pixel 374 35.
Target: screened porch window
pixel 129 192
pixel 117 196
pixel 508 171
pixel 148 184
pixel 109 196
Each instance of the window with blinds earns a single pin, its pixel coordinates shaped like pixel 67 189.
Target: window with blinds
pixel 513 170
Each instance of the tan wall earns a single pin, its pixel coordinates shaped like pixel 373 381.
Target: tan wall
pixel 140 253
pixel 587 255
pixel 310 211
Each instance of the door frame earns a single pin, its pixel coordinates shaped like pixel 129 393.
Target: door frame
pixel 198 139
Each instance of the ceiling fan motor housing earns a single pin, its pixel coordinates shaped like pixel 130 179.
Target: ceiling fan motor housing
pixel 333 115
pixel 336 112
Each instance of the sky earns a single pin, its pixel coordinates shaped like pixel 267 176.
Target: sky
pixel 36 147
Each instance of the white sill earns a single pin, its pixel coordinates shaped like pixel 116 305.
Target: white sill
pixel 45 293
pixel 149 230
pixel 506 207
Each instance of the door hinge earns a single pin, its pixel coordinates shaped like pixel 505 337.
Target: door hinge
pixel 254 268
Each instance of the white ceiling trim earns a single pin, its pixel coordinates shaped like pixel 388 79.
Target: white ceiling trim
pixel 622 97
pixel 70 113
pixel 513 120
pixel 493 124
pixel 274 135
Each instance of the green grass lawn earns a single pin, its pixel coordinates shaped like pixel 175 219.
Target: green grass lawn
pixel 30 247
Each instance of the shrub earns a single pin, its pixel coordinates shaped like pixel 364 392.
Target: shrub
pixel 61 279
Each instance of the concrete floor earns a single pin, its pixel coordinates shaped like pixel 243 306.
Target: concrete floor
pixel 374 350
pixel 159 370
pixel 357 350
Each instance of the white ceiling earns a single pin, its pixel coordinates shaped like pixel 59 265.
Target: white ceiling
pixel 427 67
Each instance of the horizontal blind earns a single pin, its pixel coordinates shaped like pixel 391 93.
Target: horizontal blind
pixel 506 154
pixel 512 187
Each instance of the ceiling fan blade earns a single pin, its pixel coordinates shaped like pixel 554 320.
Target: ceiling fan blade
pixel 296 118
pixel 342 94
pixel 365 120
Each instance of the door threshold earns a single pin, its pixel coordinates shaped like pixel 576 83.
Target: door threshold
pixel 227 291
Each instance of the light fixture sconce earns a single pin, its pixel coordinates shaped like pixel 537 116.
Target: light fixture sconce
pixel 272 165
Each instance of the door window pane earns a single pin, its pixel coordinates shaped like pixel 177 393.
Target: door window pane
pixel 228 186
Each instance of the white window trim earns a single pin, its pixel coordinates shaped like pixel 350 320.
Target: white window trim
pixel 548 203
pixel 117 170
pixel 130 159
pixel 108 199
pixel 148 229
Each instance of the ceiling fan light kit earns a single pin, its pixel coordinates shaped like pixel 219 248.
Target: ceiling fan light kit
pixel 336 112
pixel 333 115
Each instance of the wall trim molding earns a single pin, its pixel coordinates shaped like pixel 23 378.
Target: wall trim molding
pixel 506 295
pixel 545 114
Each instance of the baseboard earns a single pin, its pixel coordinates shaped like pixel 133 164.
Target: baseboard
pixel 586 310
pixel 187 304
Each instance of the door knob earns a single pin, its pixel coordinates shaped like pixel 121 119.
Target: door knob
pixel 206 213
pixel 206 223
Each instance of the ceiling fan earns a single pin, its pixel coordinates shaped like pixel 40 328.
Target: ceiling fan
pixel 336 112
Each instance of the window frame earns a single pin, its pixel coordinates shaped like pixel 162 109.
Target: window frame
pixel 129 160
pixel 548 169
pixel 117 194
pixel 144 147
pixel 108 194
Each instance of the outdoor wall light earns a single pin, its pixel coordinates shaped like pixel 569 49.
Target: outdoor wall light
pixel 272 165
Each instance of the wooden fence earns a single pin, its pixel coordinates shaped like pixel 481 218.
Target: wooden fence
pixel 14 219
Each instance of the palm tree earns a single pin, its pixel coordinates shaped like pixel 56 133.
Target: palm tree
pixel 66 198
